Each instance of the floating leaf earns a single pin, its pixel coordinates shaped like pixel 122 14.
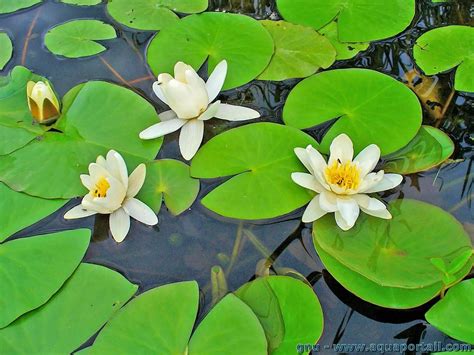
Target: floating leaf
pixel 6 49
pixel 216 36
pixel 15 5
pixel 369 106
pixel 152 14
pixel 454 313
pixel 299 51
pixel 344 50
pixel 86 301
pixel 169 180
pixel 444 48
pixel 357 20
pixel 383 296
pixel 75 39
pixel 396 252
pixel 161 321
pixel 33 269
pixel 82 2
pixel 17 126
pixel 288 309
pixel 18 210
pixel 429 148
pixel 97 116
pixel 262 158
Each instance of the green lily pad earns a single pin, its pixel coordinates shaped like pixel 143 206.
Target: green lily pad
pixel 152 14
pixel 358 20
pixel 445 48
pixel 12 6
pixel 161 320
pixel 96 117
pixel 370 107
pixel 33 269
pixel 343 50
pixel 383 296
pixel 82 2
pixel 6 49
pixel 454 313
pixel 299 51
pixel 261 157
pixel 214 36
pixel 169 180
pixel 396 252
pixel 85 302
pixel 17 126
pixel 18 210
pixel 429 148
pixel 288 310
pixel 75 39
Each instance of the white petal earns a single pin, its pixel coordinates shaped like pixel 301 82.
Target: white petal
pixel 328 201
pixel 216 80
pixel 180 71
pixel 119 224
pixel 302 155
pixel 167 115
pixel 93 204
pixel 349 210
pixel 341 149
pixel 236 113
pixel 368 203
pixel 190 138
pixel 210 112
pixel 307 181
pixel 117 167
pixel 78 212
pixel 140 211
pixel 318 165
pixel 198 87
pixel 368 159
pixel 101 161
pixel 313 211
pixel 370 180
pixel 388 182
pixel 87 181
pixel 96 171
pixel 186 100
pixel 341 222
pixel 385 214
pixel 136 180
pixel 162 128
pixel 158 92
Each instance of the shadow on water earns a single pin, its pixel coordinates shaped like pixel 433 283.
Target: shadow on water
pixel 186 247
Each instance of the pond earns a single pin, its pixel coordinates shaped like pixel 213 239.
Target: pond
pixel 188 246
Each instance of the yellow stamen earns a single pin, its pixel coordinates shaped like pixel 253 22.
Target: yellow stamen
pixel 346 176
pixel 100 188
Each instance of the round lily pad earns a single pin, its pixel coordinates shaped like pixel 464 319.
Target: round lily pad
pixel 6 49
pixel 445 48
pixel 15 5
pixel 42 264
pixel 77 38
pixel 454 313
pixel 152 14
pixel 82 2
pixel 396 252
pixel 239 39
pixel 343 50
pixel 299 51
pixel 368 106
pixel 429 148
pixel 357 20
pixel 260 159
pixel 288 310
pixel 85 302
pixel 383 296
pixel 96 117
pixel 18 210
pixel 169 180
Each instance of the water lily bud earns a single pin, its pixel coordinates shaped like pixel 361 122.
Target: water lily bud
pixel 42 101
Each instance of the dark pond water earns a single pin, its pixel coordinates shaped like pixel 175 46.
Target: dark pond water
pixel 188 246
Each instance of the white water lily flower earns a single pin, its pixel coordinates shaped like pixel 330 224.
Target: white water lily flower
pixel 112 191
pixel 343 183
pixel 190 100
